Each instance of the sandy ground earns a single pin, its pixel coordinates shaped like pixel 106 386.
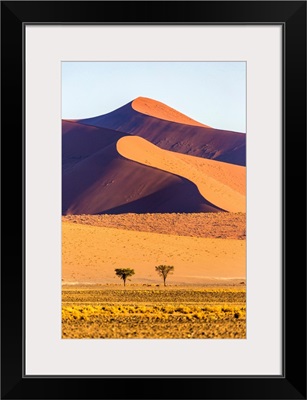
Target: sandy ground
pixel 221 184
pixel 157 109
pixel 204 225
pixel 90 254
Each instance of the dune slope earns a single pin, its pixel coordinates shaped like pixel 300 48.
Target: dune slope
pixel 220 183
pixel 80 142
pixel 105 182
pixel 110 163
pixel 180 137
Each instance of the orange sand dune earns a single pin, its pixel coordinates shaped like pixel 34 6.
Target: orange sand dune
pixel 160 110
pixel 90 254
pixel 106 182
pixel 196 140
pixel 220 183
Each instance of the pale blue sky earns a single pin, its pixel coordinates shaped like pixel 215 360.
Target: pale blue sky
pixel 213 93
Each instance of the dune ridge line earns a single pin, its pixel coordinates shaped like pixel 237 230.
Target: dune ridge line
pixel 160 110
pixel 220 183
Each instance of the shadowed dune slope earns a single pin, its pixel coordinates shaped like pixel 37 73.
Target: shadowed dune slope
pixel 80 142
pixel 220 183
pixel 180 137
pixel 105 182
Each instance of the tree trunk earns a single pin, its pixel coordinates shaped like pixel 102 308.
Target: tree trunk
pixel 164 279
pixel 124 281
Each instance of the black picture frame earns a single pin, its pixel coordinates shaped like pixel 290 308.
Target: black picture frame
pixel 292 16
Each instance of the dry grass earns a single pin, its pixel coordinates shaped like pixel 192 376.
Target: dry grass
pixel 203 225
pixel 176 313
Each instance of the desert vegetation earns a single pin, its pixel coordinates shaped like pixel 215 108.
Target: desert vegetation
pixel 124 273
pixel 90 253
pixel 200 258
pixel 149 311
pixel 164 270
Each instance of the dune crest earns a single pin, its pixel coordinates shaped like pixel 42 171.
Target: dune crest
pixel 106 182
pixel 221 184
pixel 171 130
pixel 160 110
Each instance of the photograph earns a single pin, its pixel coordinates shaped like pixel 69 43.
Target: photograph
pixel 153 200
pixel 154 155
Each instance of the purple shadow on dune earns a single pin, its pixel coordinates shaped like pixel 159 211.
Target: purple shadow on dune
pixel 97 179
pixel 198 141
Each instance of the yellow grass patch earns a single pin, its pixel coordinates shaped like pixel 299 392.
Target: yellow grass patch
pixel 171 313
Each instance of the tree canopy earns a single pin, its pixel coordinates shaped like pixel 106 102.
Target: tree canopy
pixel 164 270
pixel 124 273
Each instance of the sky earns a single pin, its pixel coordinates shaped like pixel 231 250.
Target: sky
pixel 213 93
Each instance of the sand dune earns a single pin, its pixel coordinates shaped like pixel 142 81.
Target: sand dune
pixel 105 182
pixel 160 110
pixel 80 142
pixel 180 137
pixel 90 254
pixel 111 165
pixel 220 183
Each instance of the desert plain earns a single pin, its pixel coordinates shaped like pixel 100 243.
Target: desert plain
pixel 205 296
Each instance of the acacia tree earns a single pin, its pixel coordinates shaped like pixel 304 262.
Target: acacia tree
pixel 164 270
pixel 124 273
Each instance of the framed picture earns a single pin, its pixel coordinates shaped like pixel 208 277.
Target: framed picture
pixel 163 155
